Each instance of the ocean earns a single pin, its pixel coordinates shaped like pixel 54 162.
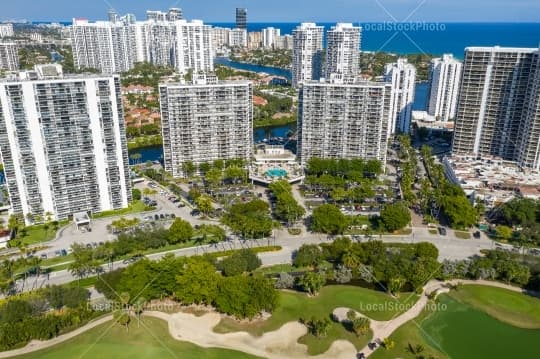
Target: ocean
pixel 430 38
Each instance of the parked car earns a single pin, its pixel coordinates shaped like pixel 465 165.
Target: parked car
pixel 133 259
pixel 442 231
pixel 476 234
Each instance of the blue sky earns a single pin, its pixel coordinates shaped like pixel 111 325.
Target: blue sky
pixel 285 10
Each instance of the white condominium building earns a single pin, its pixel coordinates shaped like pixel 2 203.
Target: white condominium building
pixel 206 120
pixel 284 42
pixel 343 50
pixel 6 30
pixel 9 56
pixel 444 79
pixel 172 15
pixel 498 111
pixel 103 45
pixel 166 40
pixel 220 37
pixel 402 76
pixel 238 38
pixel 340 118
pixel 194 50
pixel 270 37
pixel 63 144
pixel 307 53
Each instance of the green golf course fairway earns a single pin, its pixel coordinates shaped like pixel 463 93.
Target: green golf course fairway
pixel 151 340
pixel 463 332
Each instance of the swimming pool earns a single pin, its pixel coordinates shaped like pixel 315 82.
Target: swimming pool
pixel 276 172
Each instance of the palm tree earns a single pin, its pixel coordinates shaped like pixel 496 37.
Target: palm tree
pixel 122 318
pixel 138 308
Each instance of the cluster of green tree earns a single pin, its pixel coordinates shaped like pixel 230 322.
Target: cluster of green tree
pixel 521 217
pixel 88 261
pixel 249 220
pixel 329 219
pixel 144 130
pixel 141 101
pixel 342 180
pixel 391 267
pixel 38 315
pixel 22 267
pixel 394 217
pixel 224 72
pixel 287 208
pixel 145 141
pixel 373 63
pixel 263 115
pixel 242 261
pixel 280 58
pixel 495 265
pixel 156 175
pixel 408 164
pixel 219 171
pixel 450 198
pixel 29 56
pixel 146 74
pixel 193 280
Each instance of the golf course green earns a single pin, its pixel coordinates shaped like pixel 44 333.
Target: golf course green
pixel 475 321
pixel 463 332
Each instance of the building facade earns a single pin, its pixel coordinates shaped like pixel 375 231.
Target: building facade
pixel 206 120
pixel 63 145
pixel 238 38
pixel 307 53
pixel 6 30
pixel 339 118
pixel 165 40
pixel 498 111
pixel 444 80
pixel 402 76
pixel 270 37
pixel 241 18
pixel 343 50
pixel 9 56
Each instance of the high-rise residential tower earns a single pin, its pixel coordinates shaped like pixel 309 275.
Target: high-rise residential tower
pixel 164 40
pixel 9 56
pixel 63 144
pixel 402 76
pixel 444 79
pixel 270 37
pixel 307 53
pixel 241 18
pixel 343 118
pixel 498 111
pixel 6 30
pixel 343 50
pixel 205 120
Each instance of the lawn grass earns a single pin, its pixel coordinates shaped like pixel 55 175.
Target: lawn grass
pixel 462 234
pixel 337 331
pixel 410 334
pixel 475 313
pixel 513 308
pixel 134 207
pixel 294 305
pixel 39 233
pixel 433 231
pixel 151 340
